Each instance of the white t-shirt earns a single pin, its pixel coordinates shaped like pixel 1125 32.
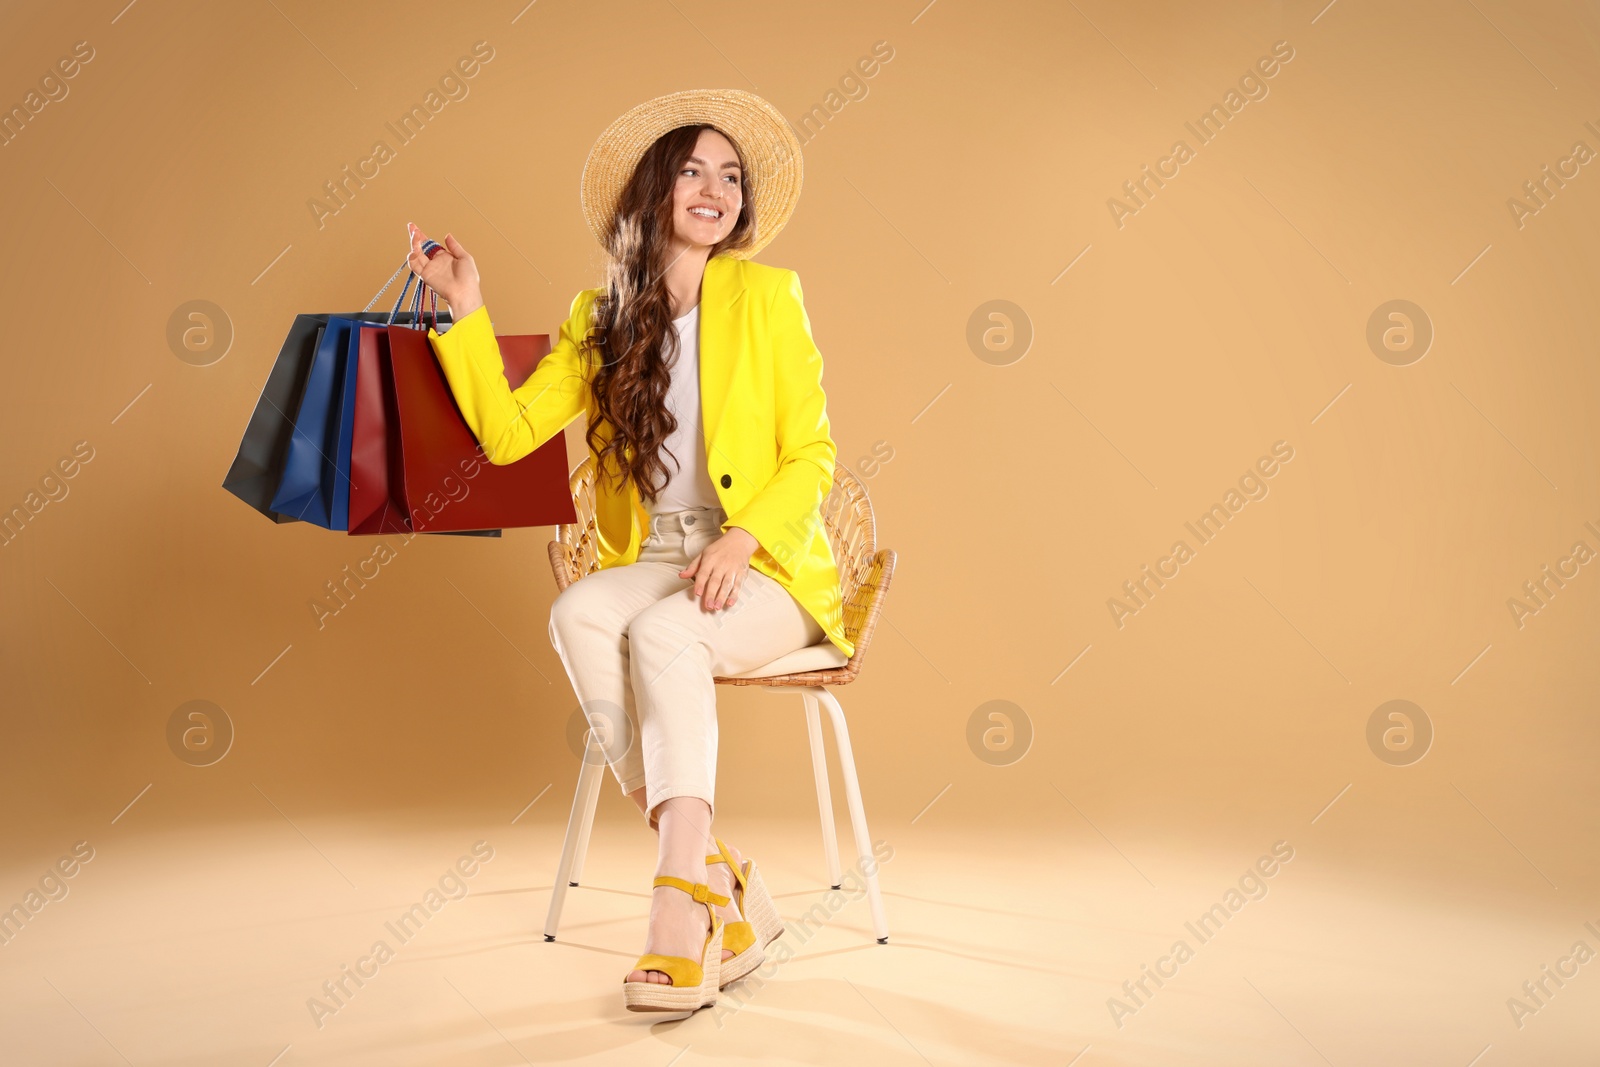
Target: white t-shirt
pixel 685 449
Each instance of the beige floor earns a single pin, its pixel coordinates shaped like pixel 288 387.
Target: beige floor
pixel 205 946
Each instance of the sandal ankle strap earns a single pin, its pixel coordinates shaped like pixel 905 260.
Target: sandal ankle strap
pixel 724 857
pixel 699 890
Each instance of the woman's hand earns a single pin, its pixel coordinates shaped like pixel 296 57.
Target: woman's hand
pixel 451 273
pixel 720 568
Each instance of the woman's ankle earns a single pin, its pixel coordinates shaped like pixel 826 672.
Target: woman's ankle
pixel 693 871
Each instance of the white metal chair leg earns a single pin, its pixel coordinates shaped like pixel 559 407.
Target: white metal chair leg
pixel 819 766
pixel 588 783
pixel 858 814
pixel 589 803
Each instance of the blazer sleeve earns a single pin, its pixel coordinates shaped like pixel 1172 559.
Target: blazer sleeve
pixel 511 423
pixel 786 513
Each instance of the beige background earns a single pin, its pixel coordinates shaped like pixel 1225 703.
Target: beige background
pixel 975 165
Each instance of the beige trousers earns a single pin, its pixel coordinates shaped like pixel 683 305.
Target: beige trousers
pixel 640 652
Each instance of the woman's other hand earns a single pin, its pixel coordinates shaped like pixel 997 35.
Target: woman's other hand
pixel 720 568
pixel 452 273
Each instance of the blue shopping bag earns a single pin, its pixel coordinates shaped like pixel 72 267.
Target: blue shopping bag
pixel 315 485
pixel 344 432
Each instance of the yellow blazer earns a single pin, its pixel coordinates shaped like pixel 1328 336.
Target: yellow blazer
pixel 768 448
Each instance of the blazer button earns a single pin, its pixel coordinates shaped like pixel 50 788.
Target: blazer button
pixel 727 480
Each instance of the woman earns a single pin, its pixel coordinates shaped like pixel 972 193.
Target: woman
pixel 708 424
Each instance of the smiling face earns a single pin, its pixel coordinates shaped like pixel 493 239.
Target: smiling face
pixel 708 193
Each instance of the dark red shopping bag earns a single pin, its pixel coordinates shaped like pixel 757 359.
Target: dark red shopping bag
pixel 443 478
pixel 377 475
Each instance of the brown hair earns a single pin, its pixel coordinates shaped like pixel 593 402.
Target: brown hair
pixel 633 314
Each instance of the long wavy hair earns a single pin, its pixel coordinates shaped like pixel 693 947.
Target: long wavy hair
pixel 631 330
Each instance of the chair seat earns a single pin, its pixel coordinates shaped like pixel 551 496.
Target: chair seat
pixel 819 657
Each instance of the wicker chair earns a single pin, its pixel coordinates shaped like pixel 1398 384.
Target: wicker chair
pixel 864 574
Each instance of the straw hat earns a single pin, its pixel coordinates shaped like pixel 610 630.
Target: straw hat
pixel 764 138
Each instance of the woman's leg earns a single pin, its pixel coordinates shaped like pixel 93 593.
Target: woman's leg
pixel 719 877
pixel 678 925
pixel 589 631
pixel 675 649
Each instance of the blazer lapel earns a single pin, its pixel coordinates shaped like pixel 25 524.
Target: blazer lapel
pixel 721 290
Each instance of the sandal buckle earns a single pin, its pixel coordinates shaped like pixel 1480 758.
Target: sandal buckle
pixel 704 895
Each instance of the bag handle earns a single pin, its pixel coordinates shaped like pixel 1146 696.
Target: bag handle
pixel 416 305
pixel 430 248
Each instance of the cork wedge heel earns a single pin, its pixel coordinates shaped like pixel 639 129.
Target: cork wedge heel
pixel 694 983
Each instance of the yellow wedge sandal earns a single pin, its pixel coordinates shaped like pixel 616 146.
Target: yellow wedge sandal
pixel 694 984
pixel 761 925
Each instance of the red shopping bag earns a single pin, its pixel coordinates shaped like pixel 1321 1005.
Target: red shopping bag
pixel 377 477
pixel 443 478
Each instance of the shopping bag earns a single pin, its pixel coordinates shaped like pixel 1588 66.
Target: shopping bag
pixel 309 488
pixel 344 431
pixel 369 471
pixel 258 465
pixel 448 482
pixel 377 477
